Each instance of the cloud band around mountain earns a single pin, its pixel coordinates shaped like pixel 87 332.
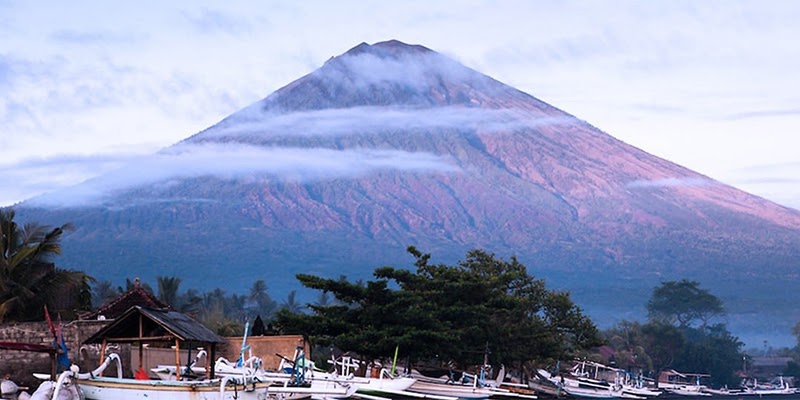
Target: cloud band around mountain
pixel 234 161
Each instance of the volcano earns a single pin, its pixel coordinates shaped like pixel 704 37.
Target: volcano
pixel 390 145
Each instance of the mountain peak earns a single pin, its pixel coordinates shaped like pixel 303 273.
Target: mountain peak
pixel 389 49
pixel 397 74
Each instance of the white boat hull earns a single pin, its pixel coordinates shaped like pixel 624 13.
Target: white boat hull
pixel 443 389
pixel 130 389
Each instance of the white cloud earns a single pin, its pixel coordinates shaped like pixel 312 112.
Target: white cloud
pixel 671 182
pixel 233 161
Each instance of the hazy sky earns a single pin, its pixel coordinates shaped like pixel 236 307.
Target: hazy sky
pixel 89 86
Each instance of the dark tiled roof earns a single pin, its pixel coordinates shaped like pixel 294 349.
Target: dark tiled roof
pixel 137 296
pixel 155 323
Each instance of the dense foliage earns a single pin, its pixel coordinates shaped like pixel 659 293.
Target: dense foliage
pixel 444 312
pixel 222 312
pixel 669 340
pixel 683 302
pixel 28 277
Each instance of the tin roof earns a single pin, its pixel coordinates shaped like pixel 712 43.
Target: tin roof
pixel 140 324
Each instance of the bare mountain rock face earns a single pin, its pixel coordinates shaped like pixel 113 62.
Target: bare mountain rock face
pixel 390 145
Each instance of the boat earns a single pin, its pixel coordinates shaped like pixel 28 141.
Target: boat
pixel 143 325
pixel 778 386
pixel 576 388
pixel 683 384
pixel 594 380
pixel 541 385
pixel 724 391
pixel 9 390
pixel 469 386
pixel 380 382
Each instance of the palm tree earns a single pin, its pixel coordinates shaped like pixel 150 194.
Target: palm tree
pixel 264 305
pixel 323 300
pixel 104 292
pixel 190 302
pixel 168 290
pixel 28 277
pixel 291 304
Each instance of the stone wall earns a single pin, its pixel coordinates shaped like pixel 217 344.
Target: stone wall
pixel 21 365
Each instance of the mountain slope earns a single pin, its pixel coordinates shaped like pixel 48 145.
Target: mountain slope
pixel 390 145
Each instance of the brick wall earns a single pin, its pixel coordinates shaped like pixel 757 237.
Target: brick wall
pixel 21 365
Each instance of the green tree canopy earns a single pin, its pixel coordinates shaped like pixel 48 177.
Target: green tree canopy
pixel 712 349
pixel 28 277
pixel 683 303
pixel 449 312
pixel 664 343
pixel 629 343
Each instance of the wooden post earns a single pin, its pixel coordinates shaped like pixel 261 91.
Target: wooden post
pixel 177 360
pixel 53 362
pixel 208 363
pixel 141 354
pixel 103 353
pixel 141 349
pixel 213 356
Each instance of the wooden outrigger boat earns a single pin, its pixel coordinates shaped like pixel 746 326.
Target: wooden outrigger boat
pixel 141 325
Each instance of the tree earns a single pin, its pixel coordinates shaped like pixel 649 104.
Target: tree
pixel 324 299
pixel 664 343
pixel 168 290
pixel 713 350
pixel 263 303
pixel 628 341
pixel 189 302
pixel 28 277
pixel 291 304
pixel 449 312
pixel 683 302
pixel 103 292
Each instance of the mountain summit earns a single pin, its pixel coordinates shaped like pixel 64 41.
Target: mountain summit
pixel 390 145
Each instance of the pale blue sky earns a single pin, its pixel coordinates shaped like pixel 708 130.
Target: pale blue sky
pixel 90 85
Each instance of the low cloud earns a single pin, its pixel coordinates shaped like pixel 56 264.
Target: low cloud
pixel 254 122
pixel 378 66
pixel 233 161
pixel 765 114
pixel 671 182
pixel 34 176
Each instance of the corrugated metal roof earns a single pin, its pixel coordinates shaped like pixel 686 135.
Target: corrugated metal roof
pixel 155 323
